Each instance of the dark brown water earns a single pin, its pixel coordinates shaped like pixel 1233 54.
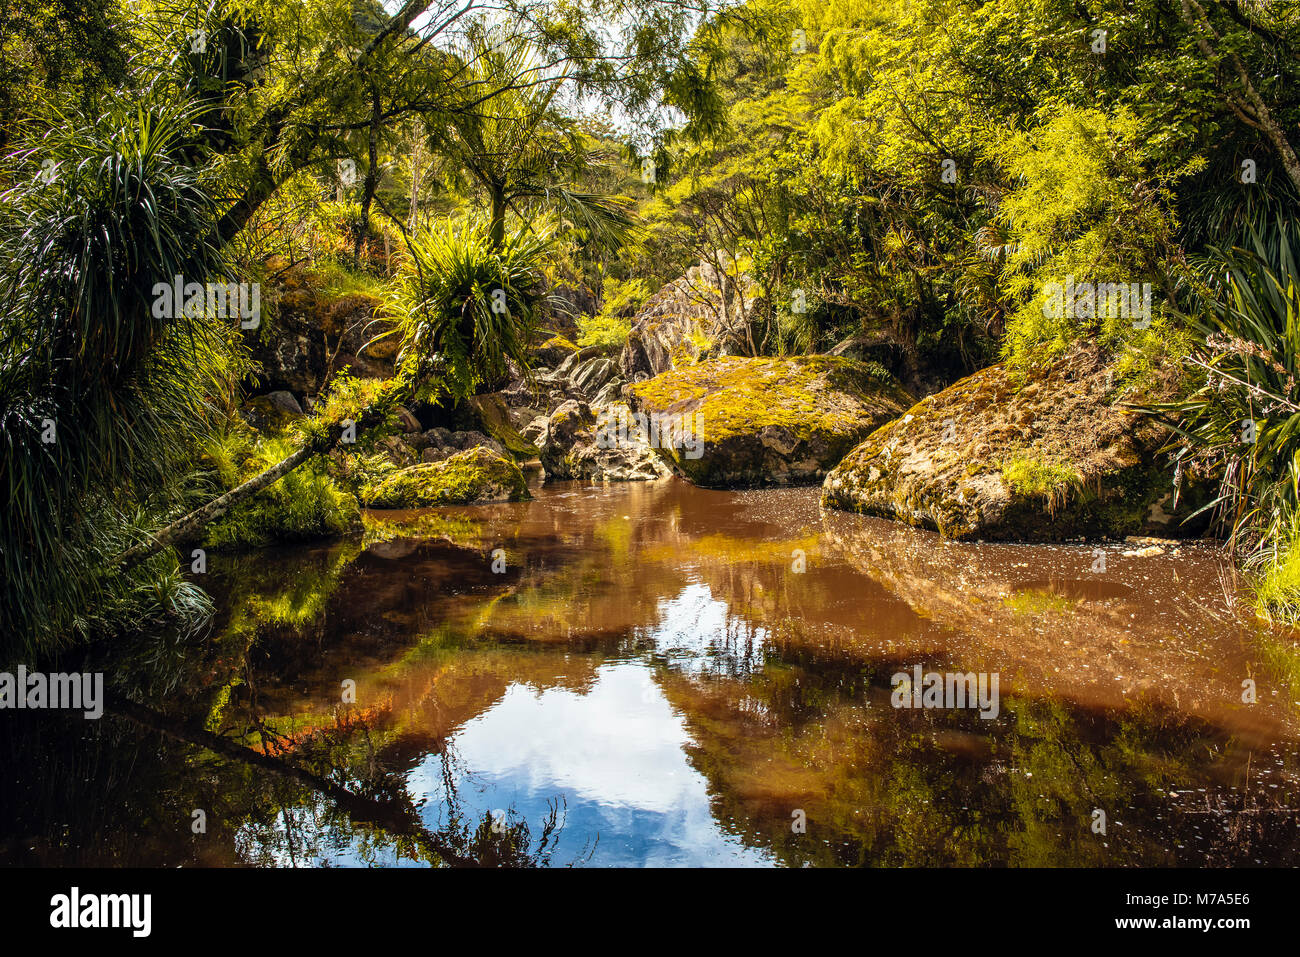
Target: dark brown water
pixel 656 674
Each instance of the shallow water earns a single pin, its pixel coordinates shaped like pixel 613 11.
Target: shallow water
pixel 655 674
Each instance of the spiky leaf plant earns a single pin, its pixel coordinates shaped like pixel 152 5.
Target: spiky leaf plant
pixel 101 398
pixel 465 306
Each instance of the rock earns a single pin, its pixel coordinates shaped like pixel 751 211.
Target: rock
pixel 407 421
pixel 475 440
pixel 592 375
pixel 285 402
pixel 398 451
pixel 895 355
pixel 493 415
pixel 535 431
pixel 1052 458
pixel 1149 552
pixel 437 444
pixel 438 438
pixel 767 421
pixel 474 477
pixel 312 334
pixel 267 415
pixel 571 449
pixel 609 393
pixel 682 323
pixel 552 352
pixel 565 369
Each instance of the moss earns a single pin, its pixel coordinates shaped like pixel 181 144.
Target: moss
pixel 1054 454
pixel 495 419
pixel 1032 476
pixel 476 475
pixel 559 342
pixel 304 505
pixel 827 400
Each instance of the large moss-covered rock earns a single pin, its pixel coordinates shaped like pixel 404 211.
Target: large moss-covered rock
pixel 1051 455
pixel 473 477
pixel 768 421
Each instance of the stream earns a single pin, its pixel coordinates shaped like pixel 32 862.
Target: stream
pixel 653 674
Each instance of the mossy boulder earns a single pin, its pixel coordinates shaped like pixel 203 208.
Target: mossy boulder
pixel 473 477
pixel 552 352
pixel 1046 455
pixel 768 421
pixel 494 415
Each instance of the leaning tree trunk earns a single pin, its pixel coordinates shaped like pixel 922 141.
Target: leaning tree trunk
pixel 187 527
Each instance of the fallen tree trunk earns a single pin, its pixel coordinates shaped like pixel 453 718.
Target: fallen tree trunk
pixel 186 527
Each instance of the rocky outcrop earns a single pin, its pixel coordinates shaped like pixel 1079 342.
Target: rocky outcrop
pixel 572 446
pixel 745 422
pixel 1053 457
pixel 473 477
pixel 310 334
pixel 684 322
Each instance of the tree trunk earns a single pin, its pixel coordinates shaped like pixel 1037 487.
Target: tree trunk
pixel 497 233
pixel 186 528
pixel 1248 105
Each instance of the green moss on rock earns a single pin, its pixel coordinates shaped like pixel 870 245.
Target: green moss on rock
pixel 1048 456
pixel 472 477
pixel 770 421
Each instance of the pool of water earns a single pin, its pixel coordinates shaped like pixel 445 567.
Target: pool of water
pixel 655 674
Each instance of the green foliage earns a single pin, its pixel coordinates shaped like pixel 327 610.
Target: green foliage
pixel 1241 423
pixel 467 305
pixel 1277 590
pixel 337 279
pixel 304 505
pixel 1083 207
pixel 126 392
pixel 609 328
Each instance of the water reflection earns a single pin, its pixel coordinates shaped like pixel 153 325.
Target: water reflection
pixel 666 675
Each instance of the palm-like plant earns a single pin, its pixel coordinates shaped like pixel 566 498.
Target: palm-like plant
pixel 1242 422
pixel 466 305
pixel 509 139
pixel 100 399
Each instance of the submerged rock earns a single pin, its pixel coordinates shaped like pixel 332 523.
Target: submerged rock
pixel 1054 457
pixel 767 421
pixel 473 477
